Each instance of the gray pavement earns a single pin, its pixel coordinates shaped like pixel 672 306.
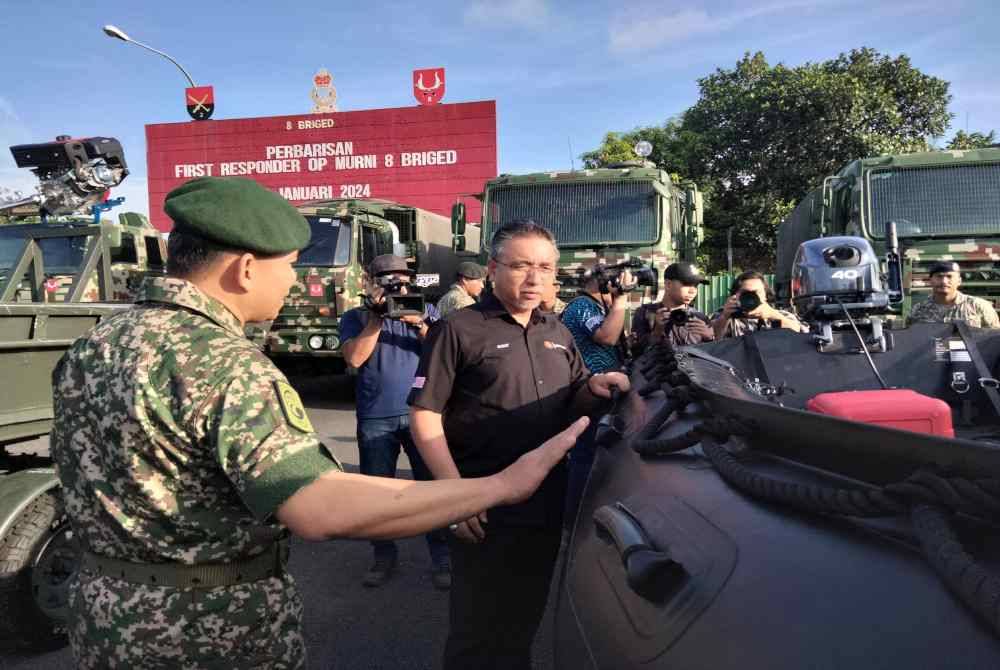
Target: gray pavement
pixel 347 626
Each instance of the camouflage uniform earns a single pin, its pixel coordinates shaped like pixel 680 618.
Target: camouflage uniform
pixel 175 441
pixel 558 306
pixel 976 312
pixel 455 298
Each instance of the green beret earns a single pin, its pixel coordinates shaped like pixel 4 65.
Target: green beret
pixel 238 213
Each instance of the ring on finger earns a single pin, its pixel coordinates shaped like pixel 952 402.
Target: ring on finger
pixel 453 527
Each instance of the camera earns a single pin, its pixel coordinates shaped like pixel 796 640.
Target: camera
pixel 396 304
pixel 749 301
pixel 680 316
pixel 609 277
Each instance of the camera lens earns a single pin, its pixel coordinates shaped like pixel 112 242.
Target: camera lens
pixel 679 317
pixel 749 301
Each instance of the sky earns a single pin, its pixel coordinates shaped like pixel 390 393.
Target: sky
pixel 562 73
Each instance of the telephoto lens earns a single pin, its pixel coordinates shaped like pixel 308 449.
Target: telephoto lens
pixel 749 301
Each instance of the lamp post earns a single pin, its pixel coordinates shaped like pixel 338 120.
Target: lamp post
pixel 119 34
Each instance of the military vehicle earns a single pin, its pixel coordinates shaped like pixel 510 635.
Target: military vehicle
pixel 629 214
pixel 787 500
pixel 946 205
pixel 346 235
pixel 59 275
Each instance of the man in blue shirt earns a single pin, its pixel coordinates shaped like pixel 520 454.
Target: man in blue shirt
pixel 596 319
pixel 386 352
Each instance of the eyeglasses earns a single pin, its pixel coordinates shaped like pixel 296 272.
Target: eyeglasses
pixel 523 268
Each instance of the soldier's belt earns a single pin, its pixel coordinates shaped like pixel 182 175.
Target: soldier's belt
pixel 270 563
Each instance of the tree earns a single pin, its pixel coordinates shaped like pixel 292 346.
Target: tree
pixel 966 141
pixel 769 134
pixel 760 137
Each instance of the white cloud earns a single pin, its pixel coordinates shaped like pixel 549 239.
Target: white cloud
pixel 506 13
pixel 641 32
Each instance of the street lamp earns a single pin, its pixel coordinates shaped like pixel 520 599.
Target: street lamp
pixel 119 34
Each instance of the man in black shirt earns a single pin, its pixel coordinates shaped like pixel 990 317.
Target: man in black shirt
pixel 495 379
pixel 673 319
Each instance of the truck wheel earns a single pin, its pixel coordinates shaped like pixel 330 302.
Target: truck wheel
pixel 38 556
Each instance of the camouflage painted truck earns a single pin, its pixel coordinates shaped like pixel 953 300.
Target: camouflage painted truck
pixel 946 205
pixel 59 276
pixel 624 213
pixel 346 235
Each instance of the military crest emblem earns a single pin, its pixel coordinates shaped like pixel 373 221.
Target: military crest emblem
pixel 428 85
pixel 200 102
pixel 324 94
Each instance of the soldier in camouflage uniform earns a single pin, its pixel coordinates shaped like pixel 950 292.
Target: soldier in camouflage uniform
pixel 467 287
pixel 947 303
pixel 186 457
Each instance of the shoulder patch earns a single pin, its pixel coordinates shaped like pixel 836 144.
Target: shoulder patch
pixel 291 407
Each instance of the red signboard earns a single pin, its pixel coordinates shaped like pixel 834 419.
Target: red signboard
pixel 424 156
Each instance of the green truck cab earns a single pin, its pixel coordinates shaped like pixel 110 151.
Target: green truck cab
pixel 346 235
pixel 607 215
pixel 62 270
pixel 946 206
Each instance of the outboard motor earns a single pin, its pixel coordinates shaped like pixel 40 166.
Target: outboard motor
pixel 836 280
pixel 833 273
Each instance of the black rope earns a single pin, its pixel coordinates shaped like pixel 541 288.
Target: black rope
pixel 809 498
pixel 969 580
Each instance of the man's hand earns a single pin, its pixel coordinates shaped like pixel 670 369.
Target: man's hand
pixel 701 329
pixel 626 283
pixel 471 530
pixel 523 477
pixel 731 306
pixel 601 384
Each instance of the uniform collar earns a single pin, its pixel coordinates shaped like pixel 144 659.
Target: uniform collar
pixel 491 307
pixel 180 292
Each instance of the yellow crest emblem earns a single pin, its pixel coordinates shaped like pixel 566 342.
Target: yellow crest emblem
pixel 291 406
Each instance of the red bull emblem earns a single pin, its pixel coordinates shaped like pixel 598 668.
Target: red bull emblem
pixel 428 85
pixel 200 102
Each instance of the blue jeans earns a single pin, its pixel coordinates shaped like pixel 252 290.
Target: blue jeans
pixel 379 442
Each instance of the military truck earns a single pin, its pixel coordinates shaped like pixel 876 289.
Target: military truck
pixel 59 276
pixel 346 235
pixel 946 205
pixel 625 212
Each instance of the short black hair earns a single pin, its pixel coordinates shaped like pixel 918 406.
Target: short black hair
pixel 518 228
pixel 751 274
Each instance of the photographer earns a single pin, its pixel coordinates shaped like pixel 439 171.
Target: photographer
pixel 596 319
pixel 386 352
pixel 748 309
pixel 673 319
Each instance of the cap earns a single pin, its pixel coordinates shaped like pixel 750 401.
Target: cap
pixel 239 213
pixel 471 270
pixel 687 273
pixel 945 266
pixel 387 263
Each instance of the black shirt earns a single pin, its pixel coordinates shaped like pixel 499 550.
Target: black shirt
pixel 503 389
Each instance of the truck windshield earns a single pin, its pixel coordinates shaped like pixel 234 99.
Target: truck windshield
pixel 330 243
pixel 937 201
pixel 59 254
pixel 580 213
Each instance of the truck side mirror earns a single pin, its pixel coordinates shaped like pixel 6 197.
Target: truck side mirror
pixel 458 219
pixel 458 226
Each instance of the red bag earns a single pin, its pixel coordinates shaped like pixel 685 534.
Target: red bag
pixel 895 408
